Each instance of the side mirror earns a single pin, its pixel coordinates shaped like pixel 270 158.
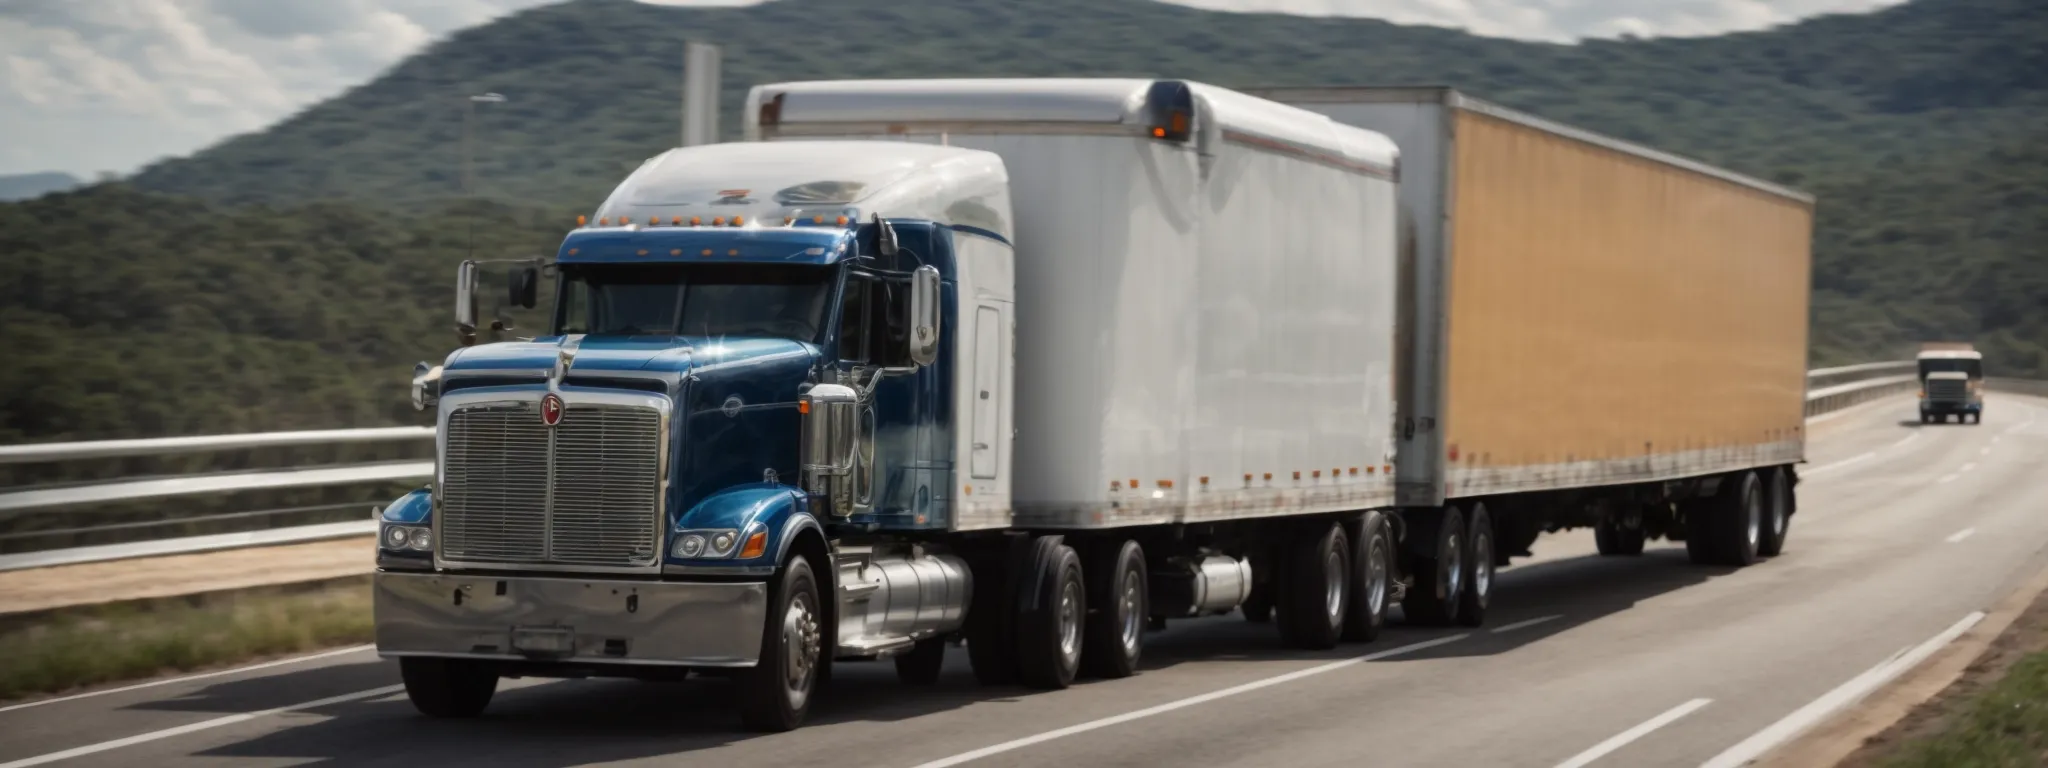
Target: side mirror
pixel 924 315
pixel 465 299
pixel 426 386
pixel 830 436
pixel 524 288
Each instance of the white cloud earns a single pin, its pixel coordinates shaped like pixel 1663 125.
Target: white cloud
pixel 109 85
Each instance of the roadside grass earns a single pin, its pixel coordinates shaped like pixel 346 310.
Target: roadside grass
pixel 73 648
pixel 2006 725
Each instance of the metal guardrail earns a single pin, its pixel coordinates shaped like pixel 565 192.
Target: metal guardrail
pixel 1830 389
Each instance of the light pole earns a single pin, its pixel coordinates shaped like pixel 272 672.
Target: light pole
pixel 468 119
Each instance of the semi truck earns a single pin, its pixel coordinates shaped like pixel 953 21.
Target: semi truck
pixel 1951 382
pixel 1042 365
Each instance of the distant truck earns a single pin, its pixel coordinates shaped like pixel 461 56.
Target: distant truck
pixel 1042 364
pixel 1951 383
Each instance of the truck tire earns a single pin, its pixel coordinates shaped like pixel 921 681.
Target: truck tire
pixel 1618 540
pixel 1439 588
pixel 1050 623
pixel 1373 570
pixel 1726 529
pixel 1479 565
pixel 922 663
pixel 1115 635
pixel 448 687
pixel 1777 511
pixel 1310 610
pixel 776 692
pixel 991 634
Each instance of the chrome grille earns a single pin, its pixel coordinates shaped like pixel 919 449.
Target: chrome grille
pixel 1948 389
pixel 494 485
pixel 607 471
pixel 597 505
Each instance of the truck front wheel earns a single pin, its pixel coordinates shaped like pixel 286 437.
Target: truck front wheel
pixel 448 687
pixel 1777 511
pixel 775 693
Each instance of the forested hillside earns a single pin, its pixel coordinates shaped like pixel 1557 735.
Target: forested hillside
pixel 290 277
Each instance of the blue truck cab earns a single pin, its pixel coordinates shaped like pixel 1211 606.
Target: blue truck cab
pixel 746 411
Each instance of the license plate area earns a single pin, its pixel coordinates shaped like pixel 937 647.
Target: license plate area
pixel 544 641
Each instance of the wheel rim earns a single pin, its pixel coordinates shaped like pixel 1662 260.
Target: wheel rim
pixel 1454 568
pixel 1333 586
pixel 1753 516
pixel 1070 620
pixel 800 640
pixel 1376 576
pixel 1482 564
pixel 1128 603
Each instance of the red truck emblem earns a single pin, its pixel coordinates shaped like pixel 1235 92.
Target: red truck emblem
pixel 550 409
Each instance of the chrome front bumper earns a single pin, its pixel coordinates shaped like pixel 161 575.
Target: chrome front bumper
pixel 585 621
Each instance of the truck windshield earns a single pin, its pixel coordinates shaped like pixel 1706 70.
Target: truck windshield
pixel 1975 368
pixel 762 300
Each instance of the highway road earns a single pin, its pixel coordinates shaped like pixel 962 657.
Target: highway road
pixel 1904 532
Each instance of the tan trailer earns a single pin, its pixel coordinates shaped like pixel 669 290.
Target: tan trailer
pixel 1595 333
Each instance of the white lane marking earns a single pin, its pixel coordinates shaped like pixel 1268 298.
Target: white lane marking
pixel 1843 695
pixel 1967 467
pixel 1840 464
pixel 1170 706
pixel 200 676
pixel 1907 439
pixel 104 746
pixel 1526 624
pixel 1622 739
pixel 1960 535
pixel 1986 451
pixel 1949 478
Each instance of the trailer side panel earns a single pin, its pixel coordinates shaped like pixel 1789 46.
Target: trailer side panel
pixel 1614 318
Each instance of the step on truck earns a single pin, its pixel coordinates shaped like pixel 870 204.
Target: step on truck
pixel 1951 382
pixel 1042 365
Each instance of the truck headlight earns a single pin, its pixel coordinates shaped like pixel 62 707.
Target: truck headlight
pixel 717 543
pixel 408 538
pixel 690 545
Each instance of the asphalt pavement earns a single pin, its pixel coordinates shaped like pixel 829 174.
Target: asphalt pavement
pixel 1905 532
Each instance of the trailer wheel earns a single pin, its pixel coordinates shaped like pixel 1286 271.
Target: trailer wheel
pixel 922 663
pixel 1439 570
pixel 1049 636
pixel 1479 565
pixel 1726 529
pixel 1617 540
pixel 448 687
pixel 1115 634
pixel 1373 567
pixel 775 693
pixel 1777 514
pixel 1318 589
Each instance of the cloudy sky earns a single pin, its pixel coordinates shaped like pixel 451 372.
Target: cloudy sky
pixel 91 86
